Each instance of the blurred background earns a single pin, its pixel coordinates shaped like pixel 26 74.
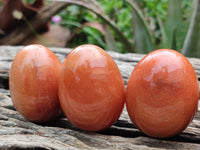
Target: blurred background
pixel 136 26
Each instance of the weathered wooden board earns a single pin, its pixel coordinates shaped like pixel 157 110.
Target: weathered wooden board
pixel 19 133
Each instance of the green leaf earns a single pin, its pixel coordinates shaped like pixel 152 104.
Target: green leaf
pixel 94 6
pixel 110 40
pixel 93 32
pixel 174 23
pixel 142 36
pixel 163 34
pixel 174 41
pixel 94 29
pixel 191 46
pixel 28 1
pixel 69 22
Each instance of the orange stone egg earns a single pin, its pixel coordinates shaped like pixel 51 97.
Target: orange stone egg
pixel 91 88
pixel 33 83
pixel 162 93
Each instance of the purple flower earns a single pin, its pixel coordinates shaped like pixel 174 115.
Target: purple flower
pixel 56 19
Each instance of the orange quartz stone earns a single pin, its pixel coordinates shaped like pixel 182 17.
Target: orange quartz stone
pixel 33 83
pixel 91 88
pixel 162 93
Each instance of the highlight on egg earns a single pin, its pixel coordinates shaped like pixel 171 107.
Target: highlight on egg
pixel 162 93
pixel 91 88
pixel 33 83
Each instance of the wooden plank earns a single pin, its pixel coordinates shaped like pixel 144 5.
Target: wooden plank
pixel 17 132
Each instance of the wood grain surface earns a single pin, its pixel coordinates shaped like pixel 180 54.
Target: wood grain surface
pixel 19 133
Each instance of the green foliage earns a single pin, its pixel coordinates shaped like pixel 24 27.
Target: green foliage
pixel 75 16
pixel 174 25
pixel 155 8
pixel 131 25
pixel 142 37
pixel 191 45
pixel 89 34
pixel 156 11
pixel 120 13
pixel 28 1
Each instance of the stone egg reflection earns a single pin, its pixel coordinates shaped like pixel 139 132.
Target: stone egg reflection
pixel 91 89
pixel 33 83
pixel 162 93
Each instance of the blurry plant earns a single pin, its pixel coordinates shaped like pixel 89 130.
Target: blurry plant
pixel 142 36
pixel 29 1
pixel 76 19
pixel 191 45
pixel 96 14
pixel 136 25
pixel 174 27
pixel 20 16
